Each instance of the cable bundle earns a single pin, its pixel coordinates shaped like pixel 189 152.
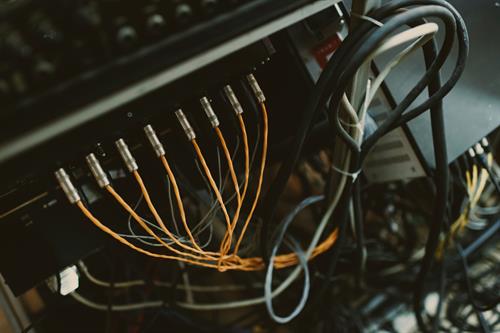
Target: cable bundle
pixel 369 38
pixel 347 105
pixel 189 251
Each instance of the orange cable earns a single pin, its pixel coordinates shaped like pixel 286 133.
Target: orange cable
pixel 247 168
pixel 160 221
pixel 139 220
pixel 232 263
pixel 211 181
pixel 247 155
pixel 110 232
pixel 224 262
pixel 226 242
pixel 261 176
pixel 180 205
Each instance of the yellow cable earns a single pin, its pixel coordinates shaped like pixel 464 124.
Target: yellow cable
pixel 483 180
pixel 476 183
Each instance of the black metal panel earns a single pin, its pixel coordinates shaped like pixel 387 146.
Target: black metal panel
pixel 472 109
pixel 121 71
pixel 158 104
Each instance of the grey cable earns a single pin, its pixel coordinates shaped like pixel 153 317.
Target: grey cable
pixel 303 263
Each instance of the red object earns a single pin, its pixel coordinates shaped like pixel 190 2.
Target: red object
pixel 324 51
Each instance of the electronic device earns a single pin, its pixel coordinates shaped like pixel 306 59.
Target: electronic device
pixel 181 157
pixel 51 124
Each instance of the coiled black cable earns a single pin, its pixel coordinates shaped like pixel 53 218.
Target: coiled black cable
pixel 334 82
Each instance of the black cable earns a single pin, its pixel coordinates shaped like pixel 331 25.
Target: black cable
pixel 324 87
pixel 335 80
pixel 359 232
pixel 365 49
pixel 442 294
pixel 34 324
pixel 442 182
pixel 341 214
pixel 459 174
pixel 316 101
pixel 481 240
pixel 465 267
pixel 433 62
pixel 477 308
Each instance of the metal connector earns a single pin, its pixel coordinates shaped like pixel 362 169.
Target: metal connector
pixel 186 126
pixel 485 142
pixel 259 94
pixel 154 141
pixel 479 149
pixel 127 157
pixel 231 96
pixel 97 170
pixel 209 111
pixel 67 186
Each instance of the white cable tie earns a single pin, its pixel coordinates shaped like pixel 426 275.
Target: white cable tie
pixel 354 175
pixel 369 19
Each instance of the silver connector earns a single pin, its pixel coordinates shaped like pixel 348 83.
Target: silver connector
pixel 154 141
pixel 231 96
pixel 67 186
pixel 186 126
pixel 479 149
pixel 259 94
pixel 485 142
pixel 97 170
pixel 127 157
pixel 472 153
pixel 209 111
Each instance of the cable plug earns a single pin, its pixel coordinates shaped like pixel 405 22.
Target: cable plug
pixel 67 186
pixel 472 153
pixel 259 94
pixel 233 100
pixel 486 145
pixel 154 141
pixel 186 126
pixel 127 157
pixel 97 170
pixel 209 111
pixel 479 149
